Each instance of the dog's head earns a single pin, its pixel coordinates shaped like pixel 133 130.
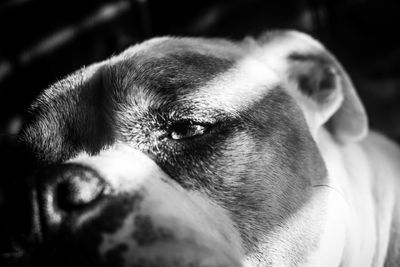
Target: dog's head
pixel 180 152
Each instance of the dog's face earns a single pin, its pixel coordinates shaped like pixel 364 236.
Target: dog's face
pixel 180 152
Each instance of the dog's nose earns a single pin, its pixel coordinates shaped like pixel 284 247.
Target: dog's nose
pixel 67 190
pixel 78 187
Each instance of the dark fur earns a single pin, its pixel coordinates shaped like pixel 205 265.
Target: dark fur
pixel 270 168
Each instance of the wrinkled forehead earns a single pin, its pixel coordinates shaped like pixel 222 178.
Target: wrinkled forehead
pixel 175 70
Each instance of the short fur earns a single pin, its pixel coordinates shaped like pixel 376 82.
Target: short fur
pixel 283 174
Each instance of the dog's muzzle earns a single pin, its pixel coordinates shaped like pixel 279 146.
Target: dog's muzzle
pixel 120 209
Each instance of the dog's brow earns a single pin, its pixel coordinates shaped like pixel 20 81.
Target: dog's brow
pixel 149 81
pixel 168 73
pixel 199 111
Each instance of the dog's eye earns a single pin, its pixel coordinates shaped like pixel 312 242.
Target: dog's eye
pixel 186 130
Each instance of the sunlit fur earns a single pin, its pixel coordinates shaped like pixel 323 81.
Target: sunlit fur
pixel 284 176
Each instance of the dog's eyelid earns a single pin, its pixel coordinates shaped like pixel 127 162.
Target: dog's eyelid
pixel 192 119
pixel 200 113
pixel 189 128
pixel 206 116
pixel 188 131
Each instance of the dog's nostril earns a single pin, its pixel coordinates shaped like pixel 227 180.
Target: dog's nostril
pixel 66 192
pixel 68 188
pixel 78 187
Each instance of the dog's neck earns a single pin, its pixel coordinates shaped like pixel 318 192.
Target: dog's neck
pixel 361 223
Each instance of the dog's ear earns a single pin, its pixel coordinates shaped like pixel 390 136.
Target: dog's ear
pixel 318 82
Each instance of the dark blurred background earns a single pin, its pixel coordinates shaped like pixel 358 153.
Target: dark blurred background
pixel 43 40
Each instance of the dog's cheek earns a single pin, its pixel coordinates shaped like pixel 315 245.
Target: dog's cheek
pixel 265 175
pixel 246 185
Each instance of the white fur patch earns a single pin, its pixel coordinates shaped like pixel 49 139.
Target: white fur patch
pixel 191 219
pixel 247 82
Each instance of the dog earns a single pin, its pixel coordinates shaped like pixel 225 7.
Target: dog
pixel 202 152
